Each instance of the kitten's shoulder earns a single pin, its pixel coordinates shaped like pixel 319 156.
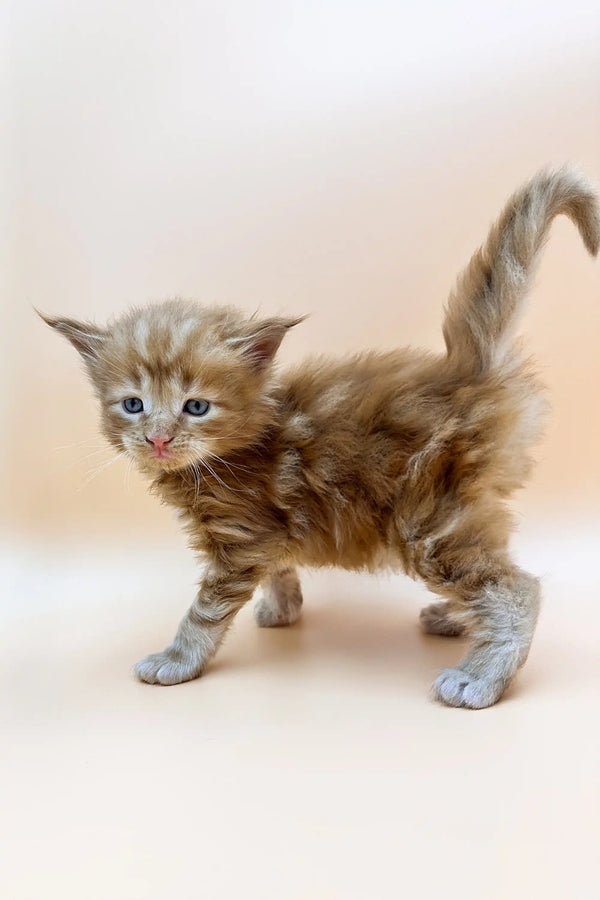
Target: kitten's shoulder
pixel 322 382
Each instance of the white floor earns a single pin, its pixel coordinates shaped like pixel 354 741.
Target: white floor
pixel 309 762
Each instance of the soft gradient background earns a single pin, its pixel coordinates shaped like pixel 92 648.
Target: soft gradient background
pixel 339 158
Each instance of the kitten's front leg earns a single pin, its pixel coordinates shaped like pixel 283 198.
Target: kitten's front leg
pixel 202 629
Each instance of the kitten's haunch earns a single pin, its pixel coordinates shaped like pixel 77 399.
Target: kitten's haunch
pixel 401 459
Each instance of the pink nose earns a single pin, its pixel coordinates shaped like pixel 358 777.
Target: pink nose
pixel 159 442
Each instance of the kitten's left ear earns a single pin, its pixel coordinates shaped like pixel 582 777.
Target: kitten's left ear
pixel 87 338
pixel 261 341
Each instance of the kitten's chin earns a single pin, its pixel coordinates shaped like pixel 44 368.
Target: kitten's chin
pixel 158 466
pixel 154 466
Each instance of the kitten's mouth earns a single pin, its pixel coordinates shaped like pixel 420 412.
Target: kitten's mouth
pixel 161 453
pixel 165 461
pixel 153 460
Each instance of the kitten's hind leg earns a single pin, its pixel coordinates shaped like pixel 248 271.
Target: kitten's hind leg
pixel 281 602
pixel 501 603
pixel 438 618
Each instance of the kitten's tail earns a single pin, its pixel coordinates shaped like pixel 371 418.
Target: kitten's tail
pixel 489 294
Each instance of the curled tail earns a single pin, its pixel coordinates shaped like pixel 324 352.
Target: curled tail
pixel 484 305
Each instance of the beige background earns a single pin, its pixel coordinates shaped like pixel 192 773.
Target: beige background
pixel 344 159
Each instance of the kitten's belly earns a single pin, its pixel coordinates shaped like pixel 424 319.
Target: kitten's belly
pixel 348 554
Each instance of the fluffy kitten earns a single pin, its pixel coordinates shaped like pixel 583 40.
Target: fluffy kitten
pixel 402 458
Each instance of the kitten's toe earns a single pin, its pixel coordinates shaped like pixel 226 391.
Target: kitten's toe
pixel 269 616
pixel 436 619
pixel 455 687
pixel 168 667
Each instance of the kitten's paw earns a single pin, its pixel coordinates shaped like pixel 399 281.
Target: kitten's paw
pixel 268 616
pixel 171 666
pixel 455 687
pixel 436 619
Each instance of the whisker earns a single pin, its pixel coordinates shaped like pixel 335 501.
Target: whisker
pixel 77 444
pixel 200 475
pixel 92 453
pixel 196 473
pixel 96 472
pixel 231 466
pixel 75 462
pixel 204 462
pixel 128 475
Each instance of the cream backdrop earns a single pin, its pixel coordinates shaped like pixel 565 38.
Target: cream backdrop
pixel 323 156
pixel 341 158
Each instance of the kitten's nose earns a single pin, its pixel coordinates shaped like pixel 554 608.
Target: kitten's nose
pixel 159 441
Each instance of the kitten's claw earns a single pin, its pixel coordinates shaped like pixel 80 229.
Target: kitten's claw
pixel 455 687
pixel 168 667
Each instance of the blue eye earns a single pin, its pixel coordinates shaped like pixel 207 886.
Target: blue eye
pixel 196 407
pixel 133 405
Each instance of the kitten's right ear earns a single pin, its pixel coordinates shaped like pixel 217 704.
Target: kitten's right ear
pixel 87 339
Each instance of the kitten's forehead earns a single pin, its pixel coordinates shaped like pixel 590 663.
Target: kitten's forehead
pixel 174 343
pixel 170 335
pixel 162 333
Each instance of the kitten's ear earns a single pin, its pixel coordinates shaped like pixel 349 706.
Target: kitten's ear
pixel 261 340
pixel 85 337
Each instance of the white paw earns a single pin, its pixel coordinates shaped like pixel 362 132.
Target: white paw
pixel 170 666
pixel 268 616
pixel 455 687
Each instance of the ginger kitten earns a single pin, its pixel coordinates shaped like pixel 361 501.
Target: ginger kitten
pixel 401 458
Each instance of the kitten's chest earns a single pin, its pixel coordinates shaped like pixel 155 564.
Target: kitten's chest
pixel 218 519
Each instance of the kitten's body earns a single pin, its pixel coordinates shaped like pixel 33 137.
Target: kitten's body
pixel 365 463
pixel 399 460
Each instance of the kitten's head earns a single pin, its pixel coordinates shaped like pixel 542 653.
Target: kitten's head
pixel 178 382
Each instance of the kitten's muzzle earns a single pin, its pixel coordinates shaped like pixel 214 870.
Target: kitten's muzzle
pixel 159 444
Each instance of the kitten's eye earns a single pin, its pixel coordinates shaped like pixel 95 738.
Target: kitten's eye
pixel 133 405
pixel 196 407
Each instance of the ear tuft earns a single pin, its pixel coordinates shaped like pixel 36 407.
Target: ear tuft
pixel 261 341
pixel 85 337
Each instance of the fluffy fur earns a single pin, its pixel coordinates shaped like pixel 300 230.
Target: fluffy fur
pixel 399 459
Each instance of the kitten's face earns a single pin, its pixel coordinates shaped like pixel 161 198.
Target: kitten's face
pixel 178 383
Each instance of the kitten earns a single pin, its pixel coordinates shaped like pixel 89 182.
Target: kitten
pixel 400 459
